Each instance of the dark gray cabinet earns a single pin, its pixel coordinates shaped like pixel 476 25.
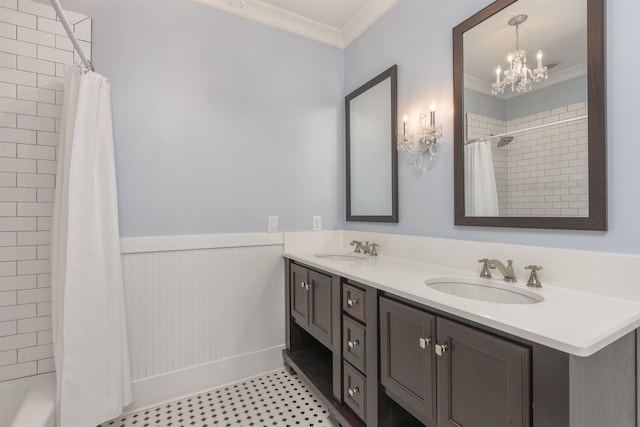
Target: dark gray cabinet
pixel 354 343
pixel 407 360
pixel 450 374
pixel 483 381
pixel 360 351
pixel 311 302
pixel 371 357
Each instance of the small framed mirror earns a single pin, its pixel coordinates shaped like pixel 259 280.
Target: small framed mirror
pixel 529 115
pixel 371 157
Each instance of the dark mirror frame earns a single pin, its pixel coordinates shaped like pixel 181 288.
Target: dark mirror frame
pixel 597 219
pixel 393 74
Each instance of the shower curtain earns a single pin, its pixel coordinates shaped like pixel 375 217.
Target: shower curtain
pixel 481 195
pixel 89 329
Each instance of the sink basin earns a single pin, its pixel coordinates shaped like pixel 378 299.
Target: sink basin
pixel 341 256
pixel 484 290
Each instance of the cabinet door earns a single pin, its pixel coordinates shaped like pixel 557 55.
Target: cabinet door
pixel 483 381
pixel 320 313
pixel 406 357
pixel 299 294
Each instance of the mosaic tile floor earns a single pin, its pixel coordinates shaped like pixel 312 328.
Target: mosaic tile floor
pixel 274 399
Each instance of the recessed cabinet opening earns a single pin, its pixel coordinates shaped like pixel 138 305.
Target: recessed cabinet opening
pixel 313 360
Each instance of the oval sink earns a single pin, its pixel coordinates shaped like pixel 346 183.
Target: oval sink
pixel 484 290
pixel 341 256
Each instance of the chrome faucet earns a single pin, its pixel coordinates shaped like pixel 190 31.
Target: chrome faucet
pixel 366 248
pixel 507 271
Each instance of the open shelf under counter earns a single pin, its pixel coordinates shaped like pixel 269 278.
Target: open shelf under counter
pixel 313 366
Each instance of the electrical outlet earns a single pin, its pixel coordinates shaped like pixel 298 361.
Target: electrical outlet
pixel 317 223
pixel 272 224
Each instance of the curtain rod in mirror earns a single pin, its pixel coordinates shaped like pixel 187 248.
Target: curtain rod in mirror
pixel 514 132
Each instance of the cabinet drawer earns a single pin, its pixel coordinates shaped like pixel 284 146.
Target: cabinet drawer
pixel 354 390
pixel 353 302
pixel 353 343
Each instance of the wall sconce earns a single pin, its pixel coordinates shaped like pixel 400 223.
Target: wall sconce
pixel 427 137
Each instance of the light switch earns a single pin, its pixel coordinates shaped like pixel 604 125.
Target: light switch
pixel 317 223
pixel 272 224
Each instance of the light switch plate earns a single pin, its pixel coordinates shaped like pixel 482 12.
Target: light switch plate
pixel 272 224
pixel 317 223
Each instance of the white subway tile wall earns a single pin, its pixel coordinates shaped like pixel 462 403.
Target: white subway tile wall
pixel 542 172
pixel 33 51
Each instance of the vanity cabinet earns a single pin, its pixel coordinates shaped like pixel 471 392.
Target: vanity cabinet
pixel 311 305
pixel 407 360
pixel 370 355
pixel 448 374
pixel 483 380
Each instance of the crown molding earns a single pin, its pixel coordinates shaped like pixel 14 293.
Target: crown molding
pixel 369 14
pixel 267 14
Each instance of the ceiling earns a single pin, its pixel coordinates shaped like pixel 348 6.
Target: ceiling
pixel 334 22
pixel 557 28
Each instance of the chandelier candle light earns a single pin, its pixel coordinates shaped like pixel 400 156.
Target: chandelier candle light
pixel 428 136
pixel 518 75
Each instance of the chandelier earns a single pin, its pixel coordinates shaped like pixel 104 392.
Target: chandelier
pixel 518 75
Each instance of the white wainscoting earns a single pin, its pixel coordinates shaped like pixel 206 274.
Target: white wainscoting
pixel 201 317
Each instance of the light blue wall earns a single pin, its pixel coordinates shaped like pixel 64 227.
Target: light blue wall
pixel 416 35
pixel 564 93
pixel 219 121
pixel 484 104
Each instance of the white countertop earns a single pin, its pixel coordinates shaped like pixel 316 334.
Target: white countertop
pixel 577 323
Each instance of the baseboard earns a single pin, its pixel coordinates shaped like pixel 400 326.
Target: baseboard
pixel 185 382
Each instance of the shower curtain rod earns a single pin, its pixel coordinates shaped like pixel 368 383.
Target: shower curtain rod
pixel 65 23
pixel 484 138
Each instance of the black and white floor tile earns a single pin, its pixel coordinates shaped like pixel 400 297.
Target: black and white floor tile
pixel 274 399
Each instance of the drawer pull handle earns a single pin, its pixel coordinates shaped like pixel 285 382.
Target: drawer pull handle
pixel 424 342
pixel 353 391
pixel 351 302
pixel 352 344
pixel 441 349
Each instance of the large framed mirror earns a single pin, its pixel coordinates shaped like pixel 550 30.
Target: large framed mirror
pixel 529 115
pixel 372 159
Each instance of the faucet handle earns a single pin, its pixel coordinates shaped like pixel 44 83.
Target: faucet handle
pixel 374 252
pixel 485 268
pixel 357 246
pixel 534 281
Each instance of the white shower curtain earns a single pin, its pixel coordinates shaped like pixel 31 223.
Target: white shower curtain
pixel 481 195
pixel 90 339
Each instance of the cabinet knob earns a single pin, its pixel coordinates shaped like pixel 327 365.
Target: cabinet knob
pixel 353 391
pixel 441 349
pixel 424 342
pixel 352 302
pixel 352 344
pixel 305 285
